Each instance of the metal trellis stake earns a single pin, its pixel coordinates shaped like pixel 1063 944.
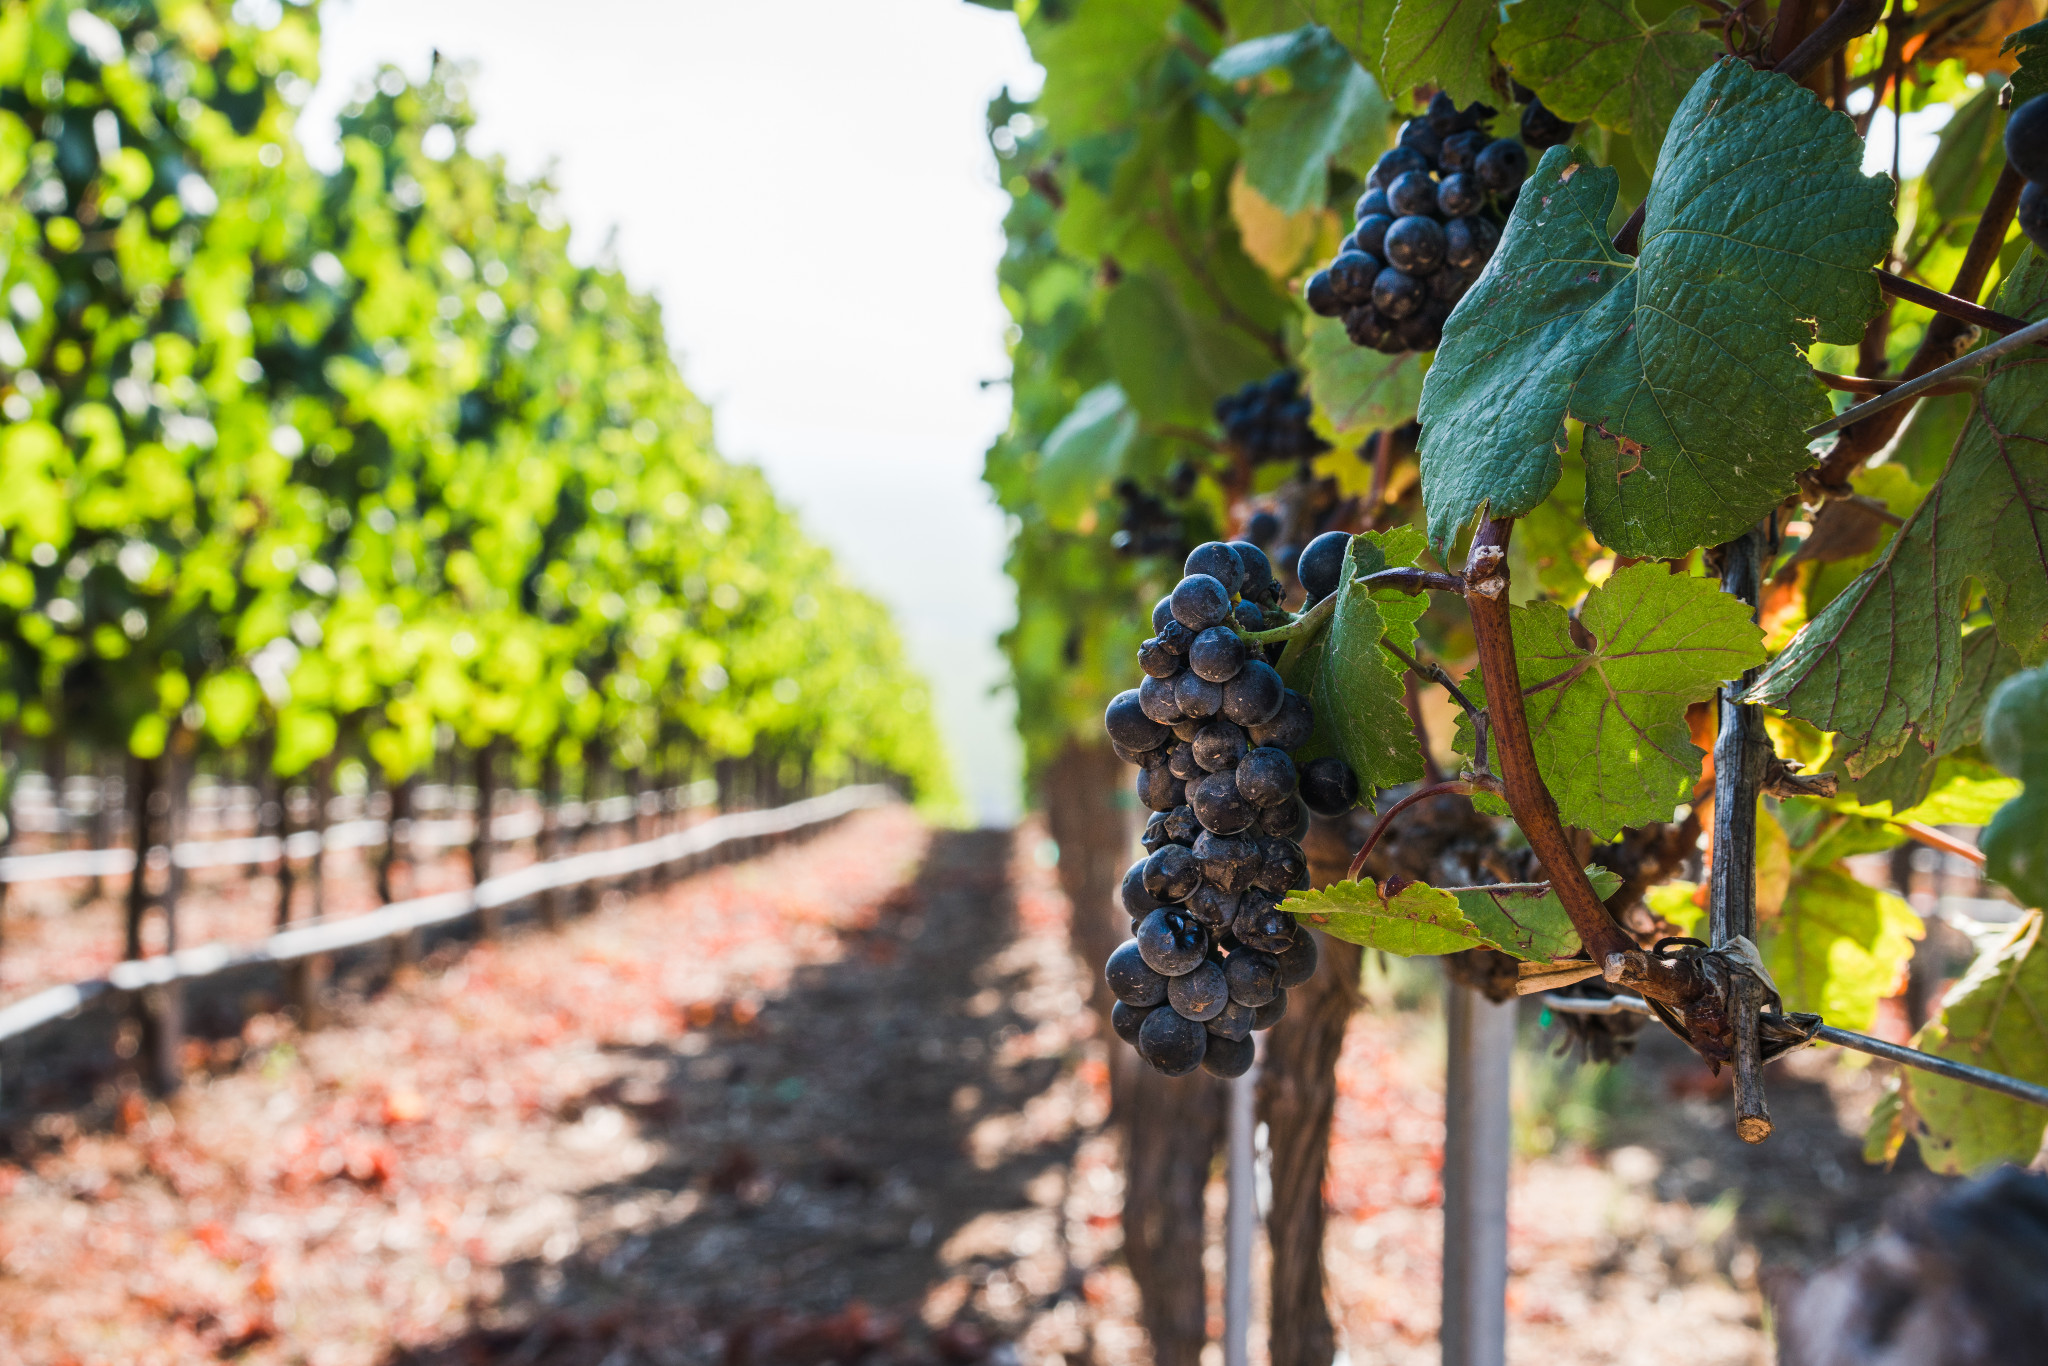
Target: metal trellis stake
pixel 1477 1138
pixel 1241 1213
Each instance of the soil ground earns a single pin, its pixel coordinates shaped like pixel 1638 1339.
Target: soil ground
pixel 840 1102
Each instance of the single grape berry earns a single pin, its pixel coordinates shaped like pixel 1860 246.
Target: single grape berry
pixel 1503 166
pixel 1185 731
pixel 1292 724
pixel 1171 942
pixel 1266 777
pixel 1130 979
pixel 1228 1058
pixel 1396 161
pixel 1219 745
pixel 1254 695
pixel 1288 820
pixel 1424 331
pixel 1172 1042
pixel 1265 1017
pixel 1365 327
pixel 1412 193
pixel 1253 977
pixel 1322 563
pixel 1219 562
pixel 1127 724
pixel 1215 907
pixel 1201 601
pixel 1417 133
pixel 1369 238
pixel 1128 1020
pixel 1329 786
pixel 1414 246
pixel 1396 293
pixel 1174 637
pixel 1138 902
pixel 1469 242
pixel 1370 204
pixel 1351 277
pixel 1298 961
pixel 1227 860
pixel 1157 661
pixel 1542 129
pixel 1262 529
pixel 1181 825
pixel 1158 789
pixel 1198 697
pixel 1260 923
pixel 1234 1023
pixel 1199 995
pixel 1462 149
pixel 1443 114
pixel 1322 296
pixel 1155 699
pixel 1258 571
pixel 1460 194
pixel 1145 758
pixel 1246 616
pixel 2033 211
pixel 1162 613
pixel 1217 654
pixel 1172 872
pixel 2026 139
pixel 1281 865
pixel 1219 806
pixel 1180 760
pixel 1155 834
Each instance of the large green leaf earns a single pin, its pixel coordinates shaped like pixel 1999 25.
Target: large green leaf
pixel 1417 919
pixel 1530 925
pixel 1330 111
pixel 1084 453
pixel 2032 77
pixel 1608 722
pixel 1685 363
pixel 1361 696
pixel 1361 25
pixel 1171 355
pixel 1446 43
pixel 1094 60
pixel 1357 390
pixel 1887 661
pixel 1838 945
pixel 1997 1018
pixel 1602 60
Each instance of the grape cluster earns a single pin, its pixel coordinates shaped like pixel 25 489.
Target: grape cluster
pixel 1212 954
pixel 1268 420
pixel 2026 147
pixel 1427 224
pixel 1147 524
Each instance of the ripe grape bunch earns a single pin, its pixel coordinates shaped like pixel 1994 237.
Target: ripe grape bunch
pixel 1268 420
pixel 2026 148
pixel 1212 954
pixel 1427 224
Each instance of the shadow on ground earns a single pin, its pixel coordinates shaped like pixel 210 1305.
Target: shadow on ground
pixel 812 1202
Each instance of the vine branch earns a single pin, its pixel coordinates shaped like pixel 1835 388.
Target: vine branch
pixel 1899 287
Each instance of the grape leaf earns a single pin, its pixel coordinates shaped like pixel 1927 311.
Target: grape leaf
pixel 1361 25
pixel 1533 926
pixel 1601 60
pixel 1996 1017
pixel 1357 390
pixel 1171 355
pixel 1837 946
pixel 1608 722
pixel 1093 62
pixel 1362 694
pixel 1417 919
pixel 1330 111
pixel 1887 661
pixel 2031 79
pixel 1684 363
pixel 1084 453
pixel 1446 43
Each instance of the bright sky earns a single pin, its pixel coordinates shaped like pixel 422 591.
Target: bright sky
pixel 806 187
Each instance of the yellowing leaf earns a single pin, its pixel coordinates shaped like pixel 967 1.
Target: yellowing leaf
pixel 1417 919
pixel 1838 946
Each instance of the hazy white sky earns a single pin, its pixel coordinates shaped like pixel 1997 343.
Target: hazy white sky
pixel 806 187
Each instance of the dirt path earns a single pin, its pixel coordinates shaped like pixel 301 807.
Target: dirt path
pixel 840 1103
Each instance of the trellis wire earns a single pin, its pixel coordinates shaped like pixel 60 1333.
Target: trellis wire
pixel 1913 388
pixel 403 917
pixel 1862 1043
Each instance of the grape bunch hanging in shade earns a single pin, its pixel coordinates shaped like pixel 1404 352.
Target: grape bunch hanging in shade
pixel 1427 224
pixel 2026 147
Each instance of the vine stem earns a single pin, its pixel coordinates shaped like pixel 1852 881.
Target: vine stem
pixel 1899 287
pixel 1453 787
pixel 1404 579
pixel 1935 838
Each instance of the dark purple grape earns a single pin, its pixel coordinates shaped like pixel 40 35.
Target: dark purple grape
pixel 1290 726
pixel 1253 977
pixel 1288 820
pixel 1144 758
pixel 1542 129
pixel 1229 1058
pixel 1460 194
pixel 1175 638
pixel 1267 1015
pixel 1155 699
pixel 1139 902
pixel 1234 1023
pixel 1157 661
pixel 1281 864
pixel 1172 942
pixel 1417 133
pixel 1154 836
pixel 1128 1020
pixel 1162 612
pixel 1201 994
pixel 1260 923
pixel 1371 235
pixel 1254 695
pixel 1365 326
pixel 1322 296
pixel 1469 242
pixel 1219 806
pixel 1351 277
pixel 1201 601
pixel 1413 193
pixel 1503 166
pixel 1414 246
pixel 1298 960
pixel 1393 162
pixel 1396 294
pixel 2026 140
pixel 1226 859
pixel 1424 331
pixel 1131 980
pixel 1184 732
pixel 1217 654
pixel 1198 697
pixel 1443 114
pixel 1158 789
pixel 1180 760
pixel 2033 211
pixel 1246 616
pixel 1329 786
pixel 1266 776
pixel 1322 564
pixel 1462 149
pixel 1219 562
pixel 1127 724
pixel 1171 872
pixel 1372 202
pixel 1172 1042
pixel 1258 571
pixel 1220 745
pixel 1447 287
pixel 1181 825
pixel 1215 907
